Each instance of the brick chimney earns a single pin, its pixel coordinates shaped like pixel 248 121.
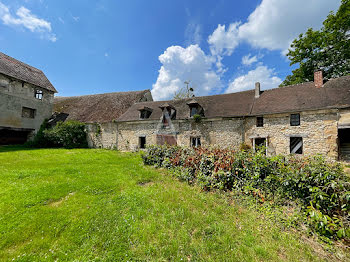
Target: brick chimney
pixel 257 90
pixel 318 78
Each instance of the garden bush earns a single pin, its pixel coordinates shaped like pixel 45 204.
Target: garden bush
pixel 320 187
pixel 68 134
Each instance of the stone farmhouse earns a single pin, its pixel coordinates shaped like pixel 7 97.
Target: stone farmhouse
pixel 99 113
pixel 307 118
pixel 26 99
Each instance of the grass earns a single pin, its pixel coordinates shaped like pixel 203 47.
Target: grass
pixel 100 205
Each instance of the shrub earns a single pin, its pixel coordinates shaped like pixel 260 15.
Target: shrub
pixel 69 134
pixel 40 141
pixel 320 187
pixel 197 118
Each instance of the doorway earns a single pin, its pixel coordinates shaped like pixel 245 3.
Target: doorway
pixel 13 137
pixel 142 142
pixel 259 142
pixel 344 144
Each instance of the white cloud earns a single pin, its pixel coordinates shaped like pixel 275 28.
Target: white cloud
pixel 248 60
pixel 193 33
pixel 272 25
pixel 261 73
pixel 222 41
pixel 181 64
pixel 28 20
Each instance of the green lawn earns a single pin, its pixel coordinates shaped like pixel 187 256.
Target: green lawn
pixel 101 205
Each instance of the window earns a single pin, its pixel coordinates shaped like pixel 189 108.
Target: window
pixel 28 112
pixel 194 111
pixel 296 145
pixel 142 142
pixel 295 119
pixel 259 143
pixel 144 114
pixel 38 94
pixel 195 141
pixel 259 121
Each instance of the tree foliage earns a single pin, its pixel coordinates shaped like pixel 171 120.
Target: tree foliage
pixel 327 49
pixel 185 92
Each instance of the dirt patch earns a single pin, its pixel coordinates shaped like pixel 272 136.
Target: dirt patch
pixel 60 201
pixel 145 183
pixel 319 249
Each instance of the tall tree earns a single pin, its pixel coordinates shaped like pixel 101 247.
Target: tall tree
pixel 327 49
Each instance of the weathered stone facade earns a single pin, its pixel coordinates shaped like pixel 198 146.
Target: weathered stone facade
pixel 317 128
pixel 16 94
pixel 102 135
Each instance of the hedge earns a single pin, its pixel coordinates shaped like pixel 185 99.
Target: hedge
pixel 322 188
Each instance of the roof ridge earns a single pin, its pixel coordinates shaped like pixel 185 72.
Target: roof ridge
pixel 11 59
pixel 122 92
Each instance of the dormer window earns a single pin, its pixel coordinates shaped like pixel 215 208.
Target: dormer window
pixel 193 111
pixel 195 108
pixel 145 112
pixel 38 94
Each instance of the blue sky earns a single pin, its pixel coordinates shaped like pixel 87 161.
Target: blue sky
pixel 89 47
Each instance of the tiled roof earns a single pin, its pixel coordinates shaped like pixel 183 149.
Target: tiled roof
pixel 19 70
pixel 100 108
pixel 334 94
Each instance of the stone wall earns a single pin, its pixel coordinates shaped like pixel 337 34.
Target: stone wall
pixel 221 132
pixel 317 128
pixel 14 96
pixel 102 135
pixel 319 131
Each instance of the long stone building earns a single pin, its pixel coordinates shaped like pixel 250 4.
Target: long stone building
pixel 99 113
pixel 307 118
pixel 26 99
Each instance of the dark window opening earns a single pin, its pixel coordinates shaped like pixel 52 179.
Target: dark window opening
pixel 296 145
pixel 259 143
pixel 196 110
pixel 142 142
pixel 144 114
pixel 344 144
pixel 259 121
pixel 295 119
pixel 22 84
pixel 195 141
pixel 38 94
pixel 28 112
pixel 193 111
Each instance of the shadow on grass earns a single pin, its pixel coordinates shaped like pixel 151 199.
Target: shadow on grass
pixel 13 148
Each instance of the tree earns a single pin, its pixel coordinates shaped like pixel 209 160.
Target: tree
pixel 327 49
pixel 185 92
